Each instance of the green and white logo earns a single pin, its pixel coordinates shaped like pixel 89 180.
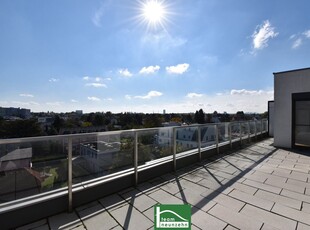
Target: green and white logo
pixel 172 216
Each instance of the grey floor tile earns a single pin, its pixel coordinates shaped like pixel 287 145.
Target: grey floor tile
pixel 33 225
pixel 292 213
pixel 129 218
pixel 204 220
pixel 64 221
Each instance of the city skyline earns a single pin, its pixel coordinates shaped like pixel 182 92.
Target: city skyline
pixel 147 56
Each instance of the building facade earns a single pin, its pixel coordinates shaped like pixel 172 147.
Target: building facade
pixel 292 109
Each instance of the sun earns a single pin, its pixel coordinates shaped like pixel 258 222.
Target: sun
pixel 153 11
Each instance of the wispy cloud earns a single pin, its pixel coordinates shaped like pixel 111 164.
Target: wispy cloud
pixel 74 101
pixel 125 73
pixel 86 78
pixel 262 35
pixel 93 98
pixel 26 95
pixel 53 80
pixel 108 99
pixel 297 43
pixel 150 94
pixel 127 97
pixel 246 92
pixel 177 69
pixel 96 85
pixel 193 95
pixel 149 70
pixel 307 33
pixel 299 38
pixel 97 17
pixel 55 103
pixel 25 103
pixel 108 79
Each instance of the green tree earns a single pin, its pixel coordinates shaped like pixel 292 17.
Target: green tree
pixel 200 117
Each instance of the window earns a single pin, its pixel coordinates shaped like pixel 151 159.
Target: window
pixel 302 123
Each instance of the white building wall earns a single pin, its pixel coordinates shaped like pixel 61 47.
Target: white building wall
pixel 286 83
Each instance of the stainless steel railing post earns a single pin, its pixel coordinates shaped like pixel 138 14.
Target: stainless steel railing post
pixel 136 157
pixel 249 132
pixel 199 142
pixel 230 139
pixel 69 174
pixel 217 139
pixel 174 149
pixel 240 134
pixel 255 130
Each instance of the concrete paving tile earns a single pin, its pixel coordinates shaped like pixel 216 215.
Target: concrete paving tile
pixel 212 184
pixel 192 178
pixel 163 197
pixel 271 176
pixel 305 207
pixel 295 195
pixel 279 199
pixel 149 214
pixel 224 200
pixel 268 227
pixel 241 187
pixel 204 220
pixel 195 199
pixel 302 226
pixel 194 227
pixel 117 228
pixel 254 200
pixel 86 206
pixel 299 183
pixel 129 218
pixel 235 219
pixel 64 221
pixel 268 217
pixel 172 187
pixel 294 175
pixel 97 217
pixel 33 225
pixel 281 184
pixel 44 227
pixel 147 188
pixel 307 192
pixel 229 227
pixel 262 186
pixel 141 202
pixel 112 202
pixel 291 213
pixel 191 186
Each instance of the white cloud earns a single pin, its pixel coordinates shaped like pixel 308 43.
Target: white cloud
pixel 297 43
pixel 74 101
pixel 262 34
pixel 245 92
pixel 86 78
pixel 93 98
pixel 307 33
pixel 149 69
pixel 96 18
pixel 150 94
pixel 53 80
pixel 26 95
pixel 193 95
pixel 125 72
pixel 25 103
pixel 108 79
pixel 127 97
pixel 178 69
pixel 55 103
pixel 96 85
pixel 97 79
pixel 108 99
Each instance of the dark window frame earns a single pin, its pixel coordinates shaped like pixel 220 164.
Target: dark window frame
pixel 305 96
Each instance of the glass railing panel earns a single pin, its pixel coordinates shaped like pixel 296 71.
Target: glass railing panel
pixel 235 130
pixel 245 129
pixel 252 127
pixel 154 144
pixel 258 127
pixel 101 154
pixel 32 168
pixel 208 136
pixel 186 138
pixel 223 132
pixel 265 125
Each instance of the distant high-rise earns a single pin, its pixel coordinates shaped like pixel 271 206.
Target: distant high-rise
pixel 164 111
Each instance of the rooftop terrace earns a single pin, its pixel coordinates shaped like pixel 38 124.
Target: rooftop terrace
pixel 256 187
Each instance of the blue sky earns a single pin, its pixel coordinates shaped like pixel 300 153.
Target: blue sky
pixel 107 56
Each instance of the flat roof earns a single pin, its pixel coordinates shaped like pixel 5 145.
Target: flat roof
pixel 294 70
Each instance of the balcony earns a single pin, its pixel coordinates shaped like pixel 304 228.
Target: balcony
pixel 139 168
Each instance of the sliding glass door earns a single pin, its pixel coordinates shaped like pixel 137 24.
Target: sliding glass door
pixel 302 123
